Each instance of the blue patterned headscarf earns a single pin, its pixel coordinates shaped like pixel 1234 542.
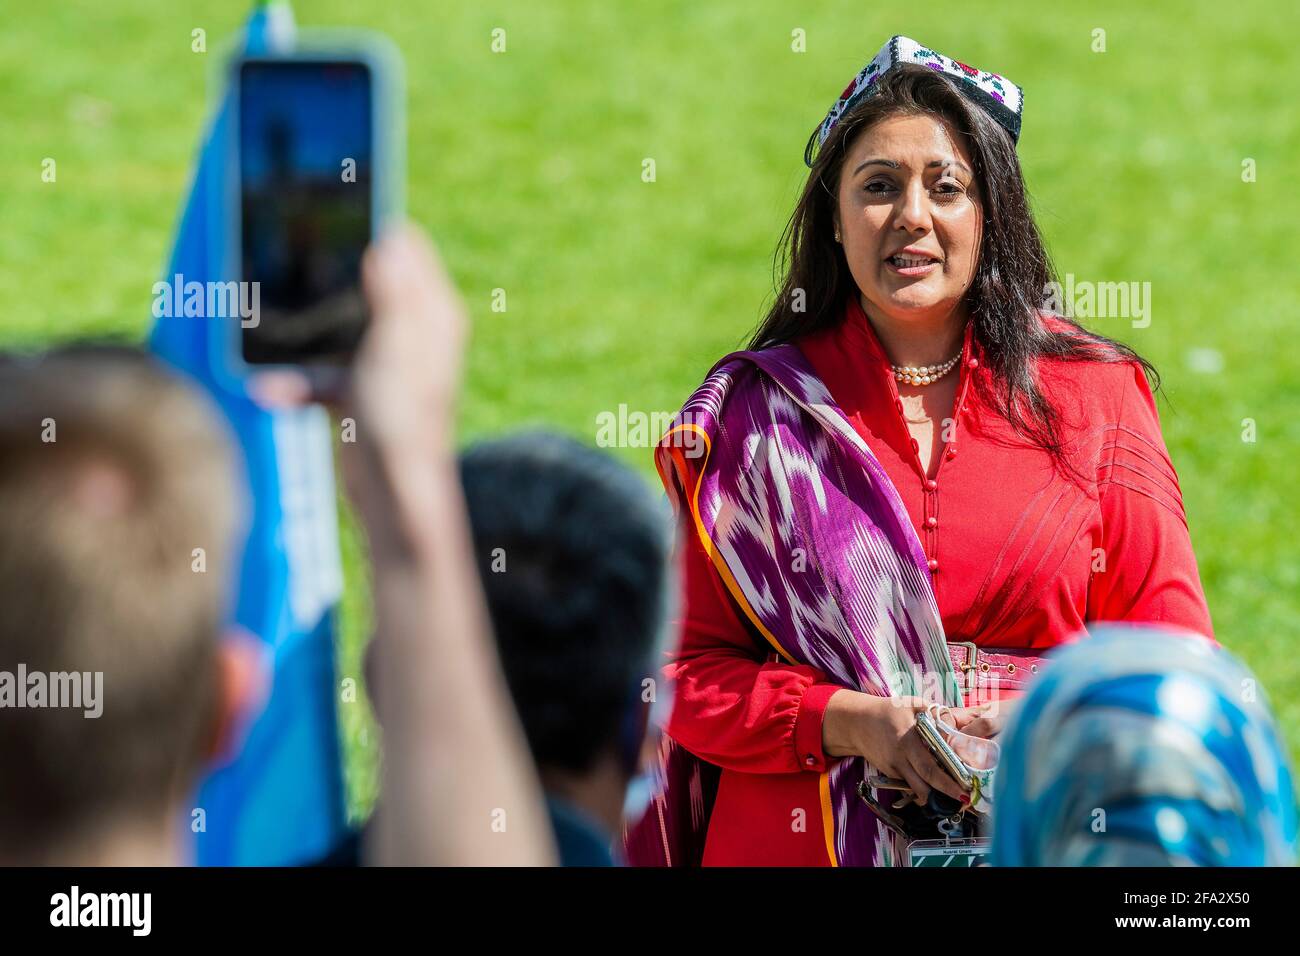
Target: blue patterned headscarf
pixel 1144 747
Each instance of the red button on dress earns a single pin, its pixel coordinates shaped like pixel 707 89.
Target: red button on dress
pixel 934 564
pixel 931 521
pixel 932 484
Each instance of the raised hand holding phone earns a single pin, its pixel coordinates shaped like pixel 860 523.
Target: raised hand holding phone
pixel 455 758
pixel 451 738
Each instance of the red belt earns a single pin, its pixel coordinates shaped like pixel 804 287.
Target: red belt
pixel 985 669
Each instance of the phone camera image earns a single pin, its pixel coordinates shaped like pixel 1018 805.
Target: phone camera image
pixel 306 169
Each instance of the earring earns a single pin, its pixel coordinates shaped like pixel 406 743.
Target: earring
pixel 837 235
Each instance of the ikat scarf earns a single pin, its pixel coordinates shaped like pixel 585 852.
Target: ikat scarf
pixel 811 539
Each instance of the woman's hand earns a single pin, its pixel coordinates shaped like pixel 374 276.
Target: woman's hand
pixel 983 720
pixel 883 730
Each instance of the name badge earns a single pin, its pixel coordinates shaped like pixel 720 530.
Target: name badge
pixel 964 851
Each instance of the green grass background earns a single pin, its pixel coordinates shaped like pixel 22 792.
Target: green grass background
pixel 526 166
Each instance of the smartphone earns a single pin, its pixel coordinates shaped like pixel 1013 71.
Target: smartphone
pixel 942 751
pixel 314 168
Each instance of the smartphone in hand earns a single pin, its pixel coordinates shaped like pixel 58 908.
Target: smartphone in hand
pixel 316 166
pixel 942 751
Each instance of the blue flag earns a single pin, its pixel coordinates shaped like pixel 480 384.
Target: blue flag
pixel 281 801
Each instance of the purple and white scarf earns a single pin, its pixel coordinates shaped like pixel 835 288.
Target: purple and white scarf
pixel 810 537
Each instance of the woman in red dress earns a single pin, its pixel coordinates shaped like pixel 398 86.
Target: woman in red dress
pixel 1027 452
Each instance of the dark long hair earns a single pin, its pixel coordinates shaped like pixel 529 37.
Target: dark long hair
pixel 1011 279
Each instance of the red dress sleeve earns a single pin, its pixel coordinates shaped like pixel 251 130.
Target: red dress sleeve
pixel 730 707
pixel 1146 571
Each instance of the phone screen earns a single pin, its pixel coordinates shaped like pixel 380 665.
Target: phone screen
pixel 305 172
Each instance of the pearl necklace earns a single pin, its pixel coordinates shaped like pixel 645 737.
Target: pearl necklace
pixel 924 374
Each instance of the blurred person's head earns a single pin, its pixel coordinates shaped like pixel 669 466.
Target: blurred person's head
pixel 118 516
pixel 1144 747
pixel 573 552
